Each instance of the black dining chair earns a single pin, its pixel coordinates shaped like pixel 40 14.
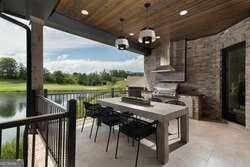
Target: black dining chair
pixel 92 111
pixel 108 117
pixel 111 118
pixel 138 130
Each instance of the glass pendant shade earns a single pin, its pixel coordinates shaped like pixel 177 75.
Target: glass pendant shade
pixel 147 36
pixel 121 43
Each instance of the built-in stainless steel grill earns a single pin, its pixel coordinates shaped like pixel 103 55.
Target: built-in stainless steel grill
pixel 165 92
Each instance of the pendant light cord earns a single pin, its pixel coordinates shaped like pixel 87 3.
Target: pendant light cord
pixel 147 5
pixel 122 19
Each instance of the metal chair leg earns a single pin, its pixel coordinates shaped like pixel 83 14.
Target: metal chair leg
pixel 83 123
pixel 96 132
pixel 117 144
pixel 108 139
pixel 93 122
pixel 133 142
pixel 137 154
pixel 113 130
pixel 178 127
pixel 156 144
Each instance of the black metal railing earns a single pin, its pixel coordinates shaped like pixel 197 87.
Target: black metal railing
pixel 81 96
pixel 54 133
pixel 53 125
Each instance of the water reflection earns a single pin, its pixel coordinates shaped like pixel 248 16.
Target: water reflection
pixel 7 109
pixel 12 107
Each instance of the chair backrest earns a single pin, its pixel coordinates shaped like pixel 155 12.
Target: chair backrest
pixel 90 106
pixel 87 105
pixel 176 102
pixel 156 99
pixel 140 122
pixel 107 111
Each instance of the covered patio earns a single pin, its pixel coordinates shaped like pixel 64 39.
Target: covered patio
pixel 211 144
pixel 188 47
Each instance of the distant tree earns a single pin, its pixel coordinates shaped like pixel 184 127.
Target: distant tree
pixel 22 72
pixel 8 68
pixel 92 79
pixel 48 76
pixel 83 79
pixel 59 77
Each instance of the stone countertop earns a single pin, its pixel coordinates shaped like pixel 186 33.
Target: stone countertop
pixel 156 110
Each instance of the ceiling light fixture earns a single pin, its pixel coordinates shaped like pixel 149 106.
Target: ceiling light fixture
pixel 147 34
pixel 85 12
pixel 131 34
pixel 183 12
pixel 122 42
pixel 158 37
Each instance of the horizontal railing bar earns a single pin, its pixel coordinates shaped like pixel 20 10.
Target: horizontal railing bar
pixel 52 102
pixel 83 92
pixel 33 119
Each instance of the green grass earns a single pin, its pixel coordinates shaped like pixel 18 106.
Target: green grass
pixel 9 150
pixel 20 86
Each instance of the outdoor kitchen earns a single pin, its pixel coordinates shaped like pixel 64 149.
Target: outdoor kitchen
pixel 163 79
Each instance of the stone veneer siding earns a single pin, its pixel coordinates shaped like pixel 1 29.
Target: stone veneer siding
pixel 204 67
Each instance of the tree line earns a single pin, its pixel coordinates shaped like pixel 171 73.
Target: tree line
pixel 10 69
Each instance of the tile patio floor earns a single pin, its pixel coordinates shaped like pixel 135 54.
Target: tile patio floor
pixel 211 145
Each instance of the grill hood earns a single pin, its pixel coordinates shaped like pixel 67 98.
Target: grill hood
pixel 165 59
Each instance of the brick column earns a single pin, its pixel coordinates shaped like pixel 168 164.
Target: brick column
pixel 37 54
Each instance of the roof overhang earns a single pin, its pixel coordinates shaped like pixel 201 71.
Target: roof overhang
pixel 44 10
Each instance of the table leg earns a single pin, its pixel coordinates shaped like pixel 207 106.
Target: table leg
pixel 184 129
pixel 163 148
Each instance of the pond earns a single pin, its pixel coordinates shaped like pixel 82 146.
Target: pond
pixel 12 107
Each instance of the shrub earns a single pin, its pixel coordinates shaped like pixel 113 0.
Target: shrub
pixel 9 150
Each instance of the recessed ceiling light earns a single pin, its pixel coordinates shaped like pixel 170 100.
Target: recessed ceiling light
pixel 158 37
pixel 85 12
pixel 131 34
pixel 183 12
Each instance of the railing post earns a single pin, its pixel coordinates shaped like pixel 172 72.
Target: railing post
pixel 112 92
pixel 33 104
pixel 45 93
pixel 71 138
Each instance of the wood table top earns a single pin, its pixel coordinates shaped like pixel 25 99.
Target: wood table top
pixel 156 109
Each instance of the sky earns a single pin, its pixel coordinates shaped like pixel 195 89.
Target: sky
pixel 67 52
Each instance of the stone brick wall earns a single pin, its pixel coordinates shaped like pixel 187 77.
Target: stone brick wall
pixel 204 67
pixel 177 53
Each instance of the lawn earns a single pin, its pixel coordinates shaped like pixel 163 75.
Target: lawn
pixel 20 86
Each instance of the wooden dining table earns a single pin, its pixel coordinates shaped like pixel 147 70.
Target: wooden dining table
pixel 157 111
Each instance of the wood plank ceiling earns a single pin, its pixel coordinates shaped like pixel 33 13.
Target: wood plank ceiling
pixel 205 17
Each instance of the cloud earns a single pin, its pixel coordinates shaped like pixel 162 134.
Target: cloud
pixel 12 41
pixel 55 40
pixel 62 57
pixel 88 66
pixel 58 53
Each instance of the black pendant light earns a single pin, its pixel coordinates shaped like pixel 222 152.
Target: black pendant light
pixel 122 42
pixel 147 34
